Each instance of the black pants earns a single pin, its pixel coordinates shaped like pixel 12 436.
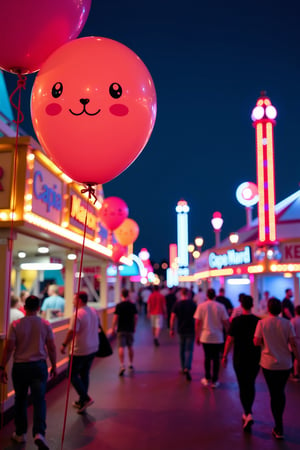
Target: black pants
pixel 276 381
pixel 246 376
pixel 80 376
pixel 212 356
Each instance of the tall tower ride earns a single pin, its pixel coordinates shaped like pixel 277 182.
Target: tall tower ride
pixel 263 117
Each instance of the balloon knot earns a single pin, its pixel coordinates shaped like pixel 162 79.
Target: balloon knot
pixel 91 190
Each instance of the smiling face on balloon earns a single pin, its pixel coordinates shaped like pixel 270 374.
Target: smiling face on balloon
pixel 93 108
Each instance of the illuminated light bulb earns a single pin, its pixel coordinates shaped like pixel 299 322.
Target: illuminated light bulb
pixel 217 221
pixel 271 112
pixel 199 241
pixel 257 113
pixel 72 256
pixel 43 249
pixel 234 238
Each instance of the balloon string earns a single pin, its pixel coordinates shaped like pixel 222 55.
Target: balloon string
pixel 91 192
pixel 21 84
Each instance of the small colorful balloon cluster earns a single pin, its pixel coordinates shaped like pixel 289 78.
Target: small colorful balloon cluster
pixel 114 215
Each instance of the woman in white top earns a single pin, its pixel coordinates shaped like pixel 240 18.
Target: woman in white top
pixel 274 334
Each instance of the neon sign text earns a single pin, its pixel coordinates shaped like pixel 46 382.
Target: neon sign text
pixel 45 193
pixel 230 258
pixel 79 211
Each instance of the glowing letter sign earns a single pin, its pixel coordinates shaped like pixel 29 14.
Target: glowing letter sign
pixel 230 258
pixel 45 193
pixel 78 212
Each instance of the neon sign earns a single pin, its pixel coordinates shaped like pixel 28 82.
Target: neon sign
pixel 45 193
pixel 231 258
pixel 78 212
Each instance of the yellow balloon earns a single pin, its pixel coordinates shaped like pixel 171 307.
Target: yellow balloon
pixel 127 232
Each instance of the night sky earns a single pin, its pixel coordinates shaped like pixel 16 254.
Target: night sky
pixel 209 62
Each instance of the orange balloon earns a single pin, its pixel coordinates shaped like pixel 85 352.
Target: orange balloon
pixel 127 233
pixel 93 108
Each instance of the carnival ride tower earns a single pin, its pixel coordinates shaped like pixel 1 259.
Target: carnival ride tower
pixel 263 117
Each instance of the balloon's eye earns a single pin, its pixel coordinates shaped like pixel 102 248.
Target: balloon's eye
pixel 57 89
pixel 115 90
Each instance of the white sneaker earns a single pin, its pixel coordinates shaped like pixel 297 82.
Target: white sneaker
pixel 18 438
pixel 205 382
pixel 215 384
pixel 40 441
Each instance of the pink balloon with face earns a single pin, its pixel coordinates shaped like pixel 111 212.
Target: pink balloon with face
pixel 93 108
pixel 32 29
pixel 113 212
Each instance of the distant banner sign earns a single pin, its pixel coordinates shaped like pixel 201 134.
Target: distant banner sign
pixel 291 252
pixel 231 258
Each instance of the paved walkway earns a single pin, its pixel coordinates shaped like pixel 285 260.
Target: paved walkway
pixel 157 409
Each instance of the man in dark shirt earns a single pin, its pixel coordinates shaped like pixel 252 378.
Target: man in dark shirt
pixel 246 356
pixel 287 307
pixel 184 310
pixel 124 323
pixel 225 301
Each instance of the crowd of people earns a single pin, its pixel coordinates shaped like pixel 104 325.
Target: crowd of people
pixel 271 342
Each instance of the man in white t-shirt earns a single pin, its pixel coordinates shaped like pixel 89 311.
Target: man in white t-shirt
pixel 211 318
pixel 86 343
pixel 30 340
pixel 14 312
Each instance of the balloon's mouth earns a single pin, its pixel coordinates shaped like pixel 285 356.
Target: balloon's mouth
pixel 84 111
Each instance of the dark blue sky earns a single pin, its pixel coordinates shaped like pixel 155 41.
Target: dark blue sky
pixel 209 62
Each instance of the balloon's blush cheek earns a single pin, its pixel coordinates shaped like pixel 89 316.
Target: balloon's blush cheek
pixel 53 109
pixel 119 110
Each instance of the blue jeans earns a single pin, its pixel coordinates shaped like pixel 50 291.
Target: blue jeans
pixel 80 377
pixel 31 375
pixel 186 350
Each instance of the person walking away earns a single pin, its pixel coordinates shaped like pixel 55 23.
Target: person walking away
pixel 170 302
pixel 145 294
pixel 246 356
pixel 184 311
pixel 199 297
pixel 157 311
pixel 296 324
pixel 225 301
pixel 124 323
pixel 86 343
pixel 54 302
pixel 238 310
pixel 211 317
pixel 287 307
pixel 275 334
pixel 14 312
pixel 30 340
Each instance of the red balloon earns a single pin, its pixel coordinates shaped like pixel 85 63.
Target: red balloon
pixel 113 212
pixel 127 233
pixel 32 29
pixel 117 252
pixel 93 108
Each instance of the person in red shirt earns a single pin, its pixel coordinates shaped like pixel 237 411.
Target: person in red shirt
pixel 156 310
